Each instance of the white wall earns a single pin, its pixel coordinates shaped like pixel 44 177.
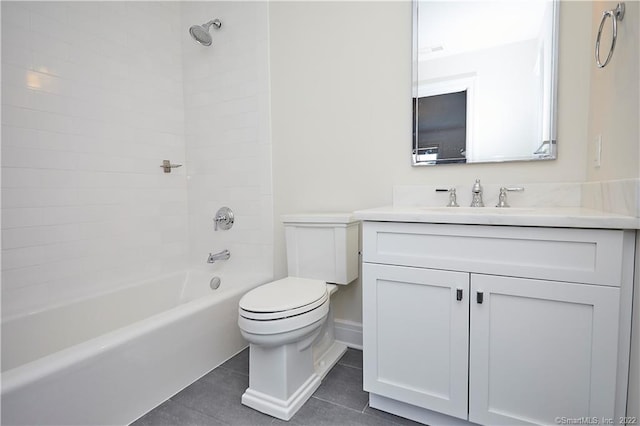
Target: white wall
pixel 615 98
pixel 91 105
pixel 615 115
pixel 226 97
pixel 341 113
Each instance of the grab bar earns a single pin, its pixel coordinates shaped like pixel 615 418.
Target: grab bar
pixel 616 15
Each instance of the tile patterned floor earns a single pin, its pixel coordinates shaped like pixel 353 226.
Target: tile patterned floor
pixel 215 400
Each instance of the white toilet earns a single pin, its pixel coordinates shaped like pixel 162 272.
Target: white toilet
pixel 289 322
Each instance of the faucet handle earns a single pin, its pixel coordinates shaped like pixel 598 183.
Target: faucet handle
pixel 452 196
pixel 224 219
pixel 502 198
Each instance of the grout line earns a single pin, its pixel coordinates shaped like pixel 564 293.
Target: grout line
pixel 337 405
pixel 350 366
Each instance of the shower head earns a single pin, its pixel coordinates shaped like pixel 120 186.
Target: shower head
pixel 200 33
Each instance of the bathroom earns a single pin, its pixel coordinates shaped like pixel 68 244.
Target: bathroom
pixel 95 95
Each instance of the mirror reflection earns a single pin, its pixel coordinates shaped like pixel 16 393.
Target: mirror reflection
pixel 484 81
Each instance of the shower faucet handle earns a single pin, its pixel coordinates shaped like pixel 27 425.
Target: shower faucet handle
pixel 224 219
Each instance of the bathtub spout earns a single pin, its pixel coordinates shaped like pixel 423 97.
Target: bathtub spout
pixel 223 255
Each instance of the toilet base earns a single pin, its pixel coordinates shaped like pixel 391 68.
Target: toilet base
pixel 326 351
pixel 284 409
pixel 329 358
pixel 280 408
pixel 282 378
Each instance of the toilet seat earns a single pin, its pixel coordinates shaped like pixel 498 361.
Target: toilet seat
pixel 269 316
pixel 284 305
pixel 283 298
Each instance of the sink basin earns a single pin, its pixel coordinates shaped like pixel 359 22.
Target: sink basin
pixel 480 210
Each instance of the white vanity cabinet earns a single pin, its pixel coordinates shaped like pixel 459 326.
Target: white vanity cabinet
pixel 416 336
pixel 496 324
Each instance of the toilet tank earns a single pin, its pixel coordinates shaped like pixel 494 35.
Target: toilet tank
pixel 322 246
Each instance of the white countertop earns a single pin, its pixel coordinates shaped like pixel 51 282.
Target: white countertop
pixel 558 217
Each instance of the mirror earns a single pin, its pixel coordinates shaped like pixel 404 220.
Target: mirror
pixel 484 81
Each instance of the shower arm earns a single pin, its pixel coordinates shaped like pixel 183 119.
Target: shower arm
pixel 215 22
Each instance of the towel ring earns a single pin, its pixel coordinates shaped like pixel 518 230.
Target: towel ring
pixel 616 15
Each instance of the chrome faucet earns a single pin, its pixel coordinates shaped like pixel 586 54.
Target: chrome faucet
pixel 224 219
pixel 223 255
pixel 476 191
pixel 502 198
pixel 453 202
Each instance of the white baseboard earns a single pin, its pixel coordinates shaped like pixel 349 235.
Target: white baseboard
pixel 349 333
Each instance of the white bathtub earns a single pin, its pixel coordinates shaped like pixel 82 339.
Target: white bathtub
pixel 112 358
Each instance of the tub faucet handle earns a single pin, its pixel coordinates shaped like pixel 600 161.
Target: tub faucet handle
pixel 224 219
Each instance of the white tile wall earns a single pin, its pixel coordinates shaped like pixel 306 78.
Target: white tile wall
pixel 94 96
pixel 226 97
pixel 92 102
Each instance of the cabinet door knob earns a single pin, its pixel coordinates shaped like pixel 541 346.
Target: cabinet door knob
pixel 459 294
pixel 479 297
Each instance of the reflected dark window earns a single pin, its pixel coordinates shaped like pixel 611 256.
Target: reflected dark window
pixel 440 124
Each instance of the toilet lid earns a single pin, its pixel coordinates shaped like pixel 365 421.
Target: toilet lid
pixel 284 295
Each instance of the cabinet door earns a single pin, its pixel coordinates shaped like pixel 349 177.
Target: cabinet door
pixel 415 336
pixel 541 351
